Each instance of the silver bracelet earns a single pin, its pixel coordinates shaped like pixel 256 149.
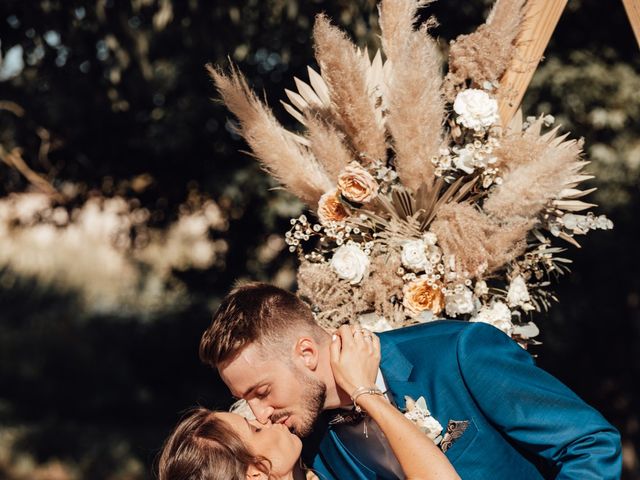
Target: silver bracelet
pixel 363 391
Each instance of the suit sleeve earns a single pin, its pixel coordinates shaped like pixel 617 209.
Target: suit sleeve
pixel 534 409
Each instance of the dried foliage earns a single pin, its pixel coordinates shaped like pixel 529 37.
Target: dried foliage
pixel 484 55
pixel 479 244
pixel 327 146
pixel 544 166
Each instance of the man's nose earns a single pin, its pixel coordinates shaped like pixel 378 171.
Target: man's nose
pixel 262 412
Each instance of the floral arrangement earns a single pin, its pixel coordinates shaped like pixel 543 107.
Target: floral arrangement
pixel 429 204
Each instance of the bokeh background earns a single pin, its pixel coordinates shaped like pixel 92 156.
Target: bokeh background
pixel 127 212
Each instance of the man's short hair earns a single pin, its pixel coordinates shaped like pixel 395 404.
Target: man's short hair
pixel 255 312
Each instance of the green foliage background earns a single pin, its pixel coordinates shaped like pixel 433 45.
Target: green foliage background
pixel 121 88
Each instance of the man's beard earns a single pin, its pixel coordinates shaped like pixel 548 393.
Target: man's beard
pixel 314 394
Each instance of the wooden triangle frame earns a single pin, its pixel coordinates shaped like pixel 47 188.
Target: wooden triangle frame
pixel 541 18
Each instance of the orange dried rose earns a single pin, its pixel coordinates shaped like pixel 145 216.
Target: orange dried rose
pixel 357 185
pixel 419 296
pixel 330 208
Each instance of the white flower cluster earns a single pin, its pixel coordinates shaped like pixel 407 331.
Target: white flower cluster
pixel 498 315
pixel 473 151
pixel 579 224
pixel 460 301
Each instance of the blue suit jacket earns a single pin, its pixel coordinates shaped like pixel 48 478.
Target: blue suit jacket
pixel 523 423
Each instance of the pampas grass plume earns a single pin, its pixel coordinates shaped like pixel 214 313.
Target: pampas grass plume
pixel 287 161
pixel 416 108
pixel 344 71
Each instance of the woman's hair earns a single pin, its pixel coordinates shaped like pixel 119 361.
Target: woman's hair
pixel 204 447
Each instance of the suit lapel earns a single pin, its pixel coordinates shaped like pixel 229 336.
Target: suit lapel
pixel 396 370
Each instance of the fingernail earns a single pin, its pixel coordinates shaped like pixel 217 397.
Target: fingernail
pixel 334 337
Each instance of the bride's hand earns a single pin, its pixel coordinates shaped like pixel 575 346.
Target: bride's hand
pixel 355 357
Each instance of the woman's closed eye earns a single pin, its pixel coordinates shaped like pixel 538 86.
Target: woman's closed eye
pixel 253 427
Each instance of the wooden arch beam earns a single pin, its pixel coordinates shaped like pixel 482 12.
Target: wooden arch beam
pixel 541 18
pixel 633 12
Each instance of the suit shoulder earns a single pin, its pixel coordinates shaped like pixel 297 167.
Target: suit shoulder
pixel 425 330
pixel 482 340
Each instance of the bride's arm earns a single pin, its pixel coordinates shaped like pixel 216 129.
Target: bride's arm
pixel 355 357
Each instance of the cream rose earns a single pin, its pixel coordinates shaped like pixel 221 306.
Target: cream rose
pixel 419 296
pixel 331 209
pixel 350 263
pixel 476 109
pixel 414 255
pixel 356 184
pixel 459 302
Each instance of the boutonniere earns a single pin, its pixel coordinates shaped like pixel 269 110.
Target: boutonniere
pixel 419 414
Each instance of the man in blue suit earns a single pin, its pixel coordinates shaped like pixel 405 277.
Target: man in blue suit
pixel 506 418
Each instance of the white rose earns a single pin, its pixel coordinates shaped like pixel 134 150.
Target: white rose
pixel 459 302
pixel 350 263
pixel 518 295
pixel 476 109
pixel 414 255
pixel 497 315
pixel 431 428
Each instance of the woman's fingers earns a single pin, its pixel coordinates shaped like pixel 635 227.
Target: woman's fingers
pixel 376 345
pixel 346 335
pixel 335 348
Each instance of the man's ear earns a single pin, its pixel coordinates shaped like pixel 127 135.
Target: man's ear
pixel 254 474
pixel 306 351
